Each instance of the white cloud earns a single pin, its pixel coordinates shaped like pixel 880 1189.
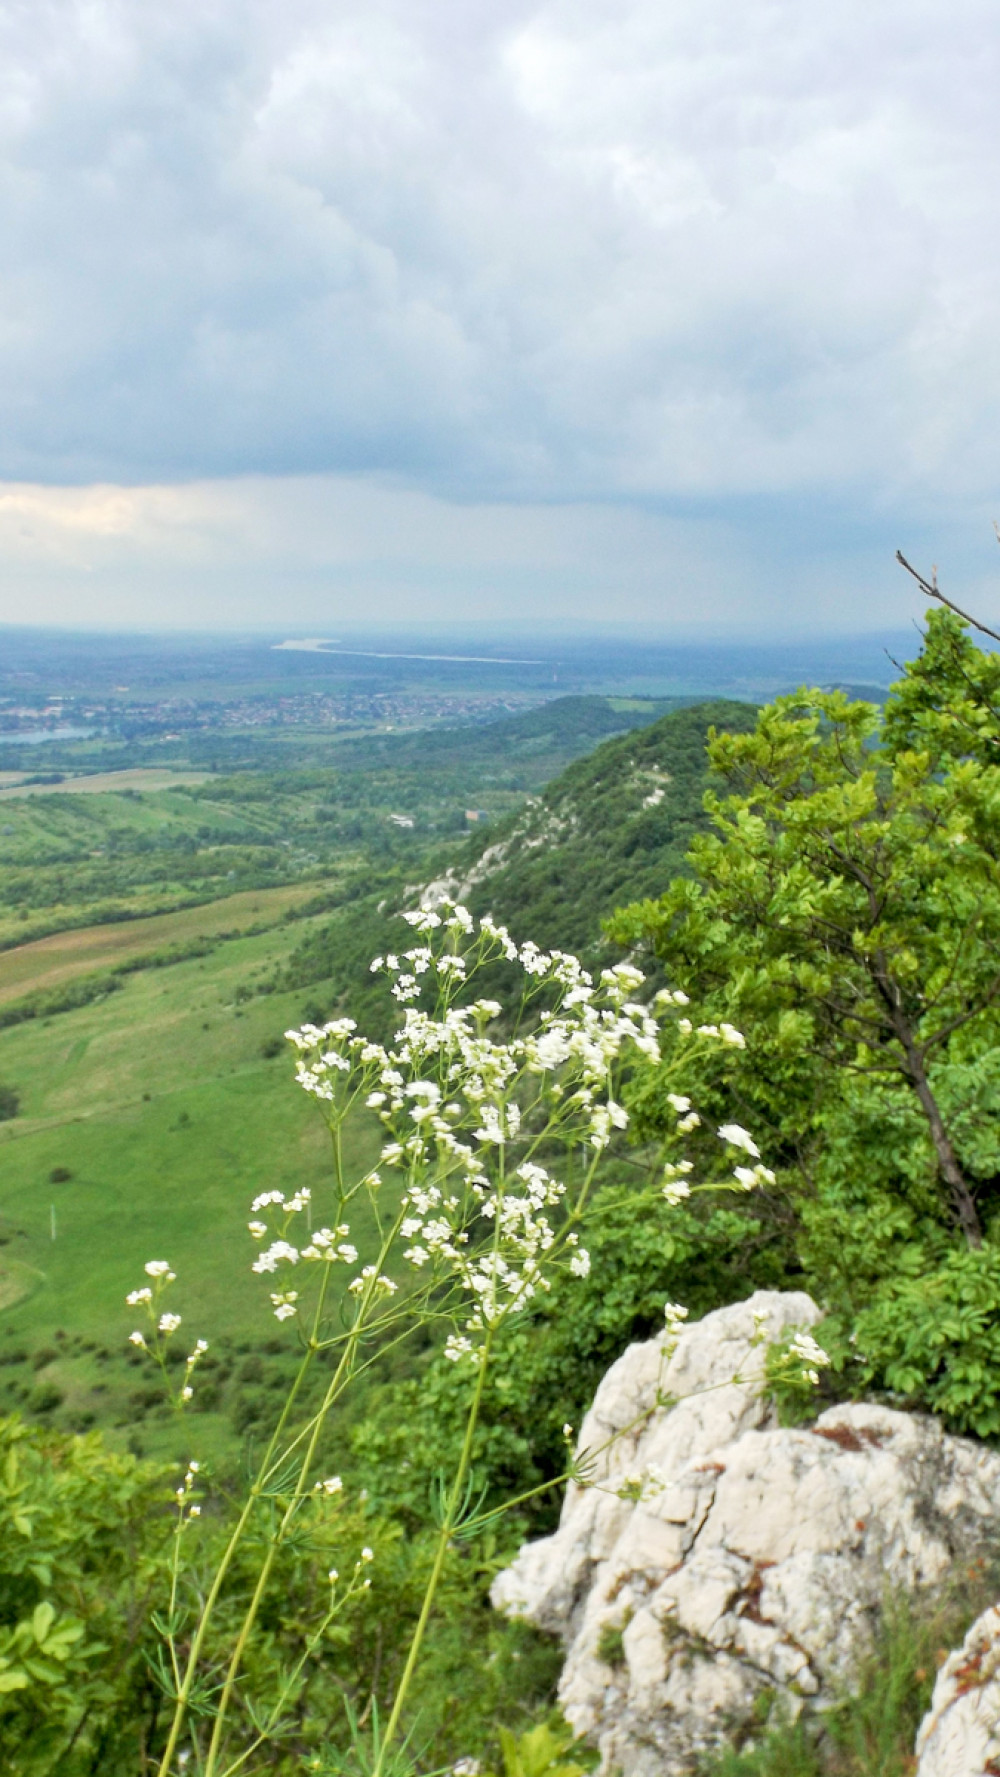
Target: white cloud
pixel 302 551
pixel 694 259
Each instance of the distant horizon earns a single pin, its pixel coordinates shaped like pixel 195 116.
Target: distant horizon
pixel 537 660
pixel 294 638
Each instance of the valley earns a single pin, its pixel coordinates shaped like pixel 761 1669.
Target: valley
pixel 161 928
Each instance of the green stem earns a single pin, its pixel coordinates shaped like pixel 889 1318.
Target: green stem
pixel 175 1563
pixel 263 1577
pixel 228 1555
pixel 285 1693
pixel 444 1538
pixel 342 1375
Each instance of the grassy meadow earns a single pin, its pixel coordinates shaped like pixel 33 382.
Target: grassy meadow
pixel 15 785
pixel 47 962
pixel 155 1092
pixel 72 860
pixel 169 1105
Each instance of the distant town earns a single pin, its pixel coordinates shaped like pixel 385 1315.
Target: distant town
pixel 147 716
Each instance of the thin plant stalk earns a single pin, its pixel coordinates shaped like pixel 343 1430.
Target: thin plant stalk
pixel 184 1693
pixel 445 1534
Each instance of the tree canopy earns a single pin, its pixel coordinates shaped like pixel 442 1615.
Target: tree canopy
pixel 844 913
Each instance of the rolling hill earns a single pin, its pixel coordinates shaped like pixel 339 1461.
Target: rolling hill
pixel 613 827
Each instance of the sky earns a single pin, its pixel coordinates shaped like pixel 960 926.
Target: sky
pixel 400 311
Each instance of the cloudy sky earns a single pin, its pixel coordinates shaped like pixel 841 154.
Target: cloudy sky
pixel 682 313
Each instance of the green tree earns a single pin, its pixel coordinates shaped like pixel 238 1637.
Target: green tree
pixel 948 701
pixel 846 909
pixel 844 914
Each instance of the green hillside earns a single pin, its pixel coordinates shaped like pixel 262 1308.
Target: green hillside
pixel 612 828
pixel 147 1123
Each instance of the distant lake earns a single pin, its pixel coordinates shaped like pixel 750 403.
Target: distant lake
pixel 35 737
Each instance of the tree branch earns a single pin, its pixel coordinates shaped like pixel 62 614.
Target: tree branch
pixel 931 589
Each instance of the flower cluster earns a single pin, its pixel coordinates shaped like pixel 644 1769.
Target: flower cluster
pixel 187 1507
pixel 163 1324
pixel 465 1114
pixel 810 1358
pixel 473 1115
pixel 493 1121
pixel 676 1183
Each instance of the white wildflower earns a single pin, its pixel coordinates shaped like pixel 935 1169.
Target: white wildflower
pixel 278 1251
pixel 812 1358
pixel 737 1137
pixel 675 1190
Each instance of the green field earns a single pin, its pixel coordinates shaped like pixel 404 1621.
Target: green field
pixel 78 950
pixel 169 1098
pixel 131 849
pixel 70 860
pixel 14 786
pixel 161 1105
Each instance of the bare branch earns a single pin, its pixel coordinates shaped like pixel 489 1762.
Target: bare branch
pixel 932 590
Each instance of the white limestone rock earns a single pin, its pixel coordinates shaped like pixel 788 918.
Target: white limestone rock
pixel 716 1564
pixel 960 1734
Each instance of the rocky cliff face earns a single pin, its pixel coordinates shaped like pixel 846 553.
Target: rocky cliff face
pixel 715 1566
